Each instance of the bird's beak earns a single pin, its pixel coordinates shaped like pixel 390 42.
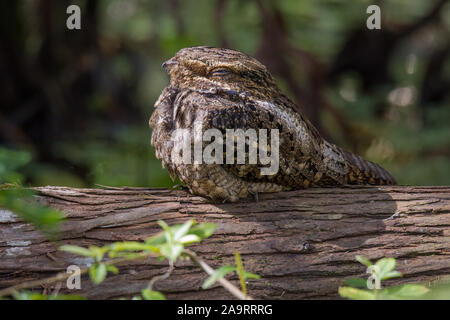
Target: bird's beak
pixel 167 65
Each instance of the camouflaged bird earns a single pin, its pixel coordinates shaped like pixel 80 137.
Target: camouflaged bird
pixel 222 89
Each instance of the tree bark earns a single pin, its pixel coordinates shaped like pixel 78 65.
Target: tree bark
pixel 302 243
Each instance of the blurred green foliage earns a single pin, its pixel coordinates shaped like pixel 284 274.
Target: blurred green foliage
pixel 10 161
pixel 134 37
pixel 28 295
pixel 382 270
pixel 20 200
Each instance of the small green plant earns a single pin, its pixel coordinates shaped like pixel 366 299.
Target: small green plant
pixel 371 289
pixel 168 245
pixel 224 270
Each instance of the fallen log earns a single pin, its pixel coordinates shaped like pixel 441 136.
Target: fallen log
pixel 302 243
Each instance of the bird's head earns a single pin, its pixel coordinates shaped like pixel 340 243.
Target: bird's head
pixel 213 70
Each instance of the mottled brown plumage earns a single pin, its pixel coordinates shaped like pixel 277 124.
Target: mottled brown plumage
pixel 226 89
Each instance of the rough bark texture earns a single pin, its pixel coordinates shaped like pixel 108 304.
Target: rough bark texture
pixel 302 243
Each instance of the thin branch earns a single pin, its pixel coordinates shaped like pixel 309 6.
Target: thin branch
pixel 62 276
pixel 231 288
pixel 161 277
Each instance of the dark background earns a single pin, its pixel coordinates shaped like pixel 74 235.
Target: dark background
pixel 78 101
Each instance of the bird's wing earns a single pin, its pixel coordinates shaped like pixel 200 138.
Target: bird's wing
pixel 296 162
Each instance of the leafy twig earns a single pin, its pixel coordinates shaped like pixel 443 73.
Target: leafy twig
pixel 61 276
pixel 224 282
pixel 168 244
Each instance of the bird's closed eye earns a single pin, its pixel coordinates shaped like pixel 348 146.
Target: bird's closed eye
pixel 219 72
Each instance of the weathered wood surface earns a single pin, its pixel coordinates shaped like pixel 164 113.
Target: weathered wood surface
pixel 302 243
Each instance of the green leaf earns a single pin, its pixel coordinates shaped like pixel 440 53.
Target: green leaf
pixel 413 290
pixel 404 292
pixel 356 283
pixel 164 225
pixel 156 240
pixel 132 246
pixel 171 251
pixel 98 252
pixel 217 274
pixel 249 275
pixel 439 291
pixel 113 269
pixel 21 202
pixel 190 238
pixel 386 265
pixel 168 234
pixel 152 295
pixel 27 295
pixel 183 229
pixel 203 230
pixel 130 256
pixel 356 294
pixel 10 161
pixel 77 250
pixel 363 260
pixel 240 271
pixel 66 297
pixel 97 272
pixel 392 274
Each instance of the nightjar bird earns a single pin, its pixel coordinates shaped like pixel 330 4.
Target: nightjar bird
pixel 222 89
